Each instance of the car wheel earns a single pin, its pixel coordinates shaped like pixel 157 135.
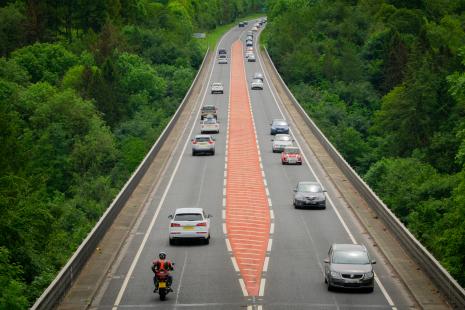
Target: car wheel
pixel 370 289
pixel 207 241
pixel 193 153
pixel 330 287
pixel 172 242
pixel 213 153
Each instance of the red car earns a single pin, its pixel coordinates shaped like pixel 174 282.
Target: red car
pixel 291 156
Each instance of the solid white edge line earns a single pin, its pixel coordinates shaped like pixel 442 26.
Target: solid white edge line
pixel 262 287
pixel 160 204
pixel 346 228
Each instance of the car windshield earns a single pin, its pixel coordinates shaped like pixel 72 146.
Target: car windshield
pixel 280 123
pixel 292 151
pixel 283 138
pixel 208 108
pixel 311 188
pixel 202 139
pixel 350 257
pixel 188 217
pixel 257 81
pixel 210 121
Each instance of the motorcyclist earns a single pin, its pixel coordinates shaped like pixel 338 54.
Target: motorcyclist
pixel 162 265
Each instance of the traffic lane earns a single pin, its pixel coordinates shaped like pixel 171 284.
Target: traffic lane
pixel 294 174
pixel 391 282
pixel 148 258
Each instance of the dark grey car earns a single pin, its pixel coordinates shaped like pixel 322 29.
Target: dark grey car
pixel 349 266
pixel 309 194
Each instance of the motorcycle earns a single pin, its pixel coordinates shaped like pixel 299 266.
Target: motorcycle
pixel 162 284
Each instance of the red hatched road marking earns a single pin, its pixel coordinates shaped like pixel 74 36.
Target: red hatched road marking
pixel 246 199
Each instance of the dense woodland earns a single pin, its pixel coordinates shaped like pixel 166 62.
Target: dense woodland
pixel 385 80
pixel 86 87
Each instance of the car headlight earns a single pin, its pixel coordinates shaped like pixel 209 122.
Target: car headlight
pixel 369 275
pixel 335 275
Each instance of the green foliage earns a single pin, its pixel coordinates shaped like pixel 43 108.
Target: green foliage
pixel 385 82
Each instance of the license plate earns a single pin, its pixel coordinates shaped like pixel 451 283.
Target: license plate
pixel 162 285
pixel 188 227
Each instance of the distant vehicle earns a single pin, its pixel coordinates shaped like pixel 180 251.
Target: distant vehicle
pixel 280 141
pixel 257 25
pixel 254 29
pixel 222 51
pixel 241 24
pixel 208 110
pixel 258 76
pixel 279 126
pixel 248 54
pixel 189 223
pixel 203 144
pixel 249 37
pixel 291 156
pixel 249 49
pixel 349 266
pixel 217 88
pixel 256 84
pixel 250 33
pixel 309 194
pixel 222 59
pixel 209 124
pixel 249 43
pixel 251 58
pixel 246 22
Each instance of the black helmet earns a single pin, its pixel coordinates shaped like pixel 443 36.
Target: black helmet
pixel 162 255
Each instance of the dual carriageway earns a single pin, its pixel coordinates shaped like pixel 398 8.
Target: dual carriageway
pixel 263 253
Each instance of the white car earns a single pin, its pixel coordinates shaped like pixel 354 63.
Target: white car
pixel 189 223
pixel 222 59
pixel 248 54
pixel 209 124
pixel 254 29
pixel 203 144
pixel 258 75
pixel 251 58
pixel 217 88
pixel 249 49
pixel 280 141
pixel 256 84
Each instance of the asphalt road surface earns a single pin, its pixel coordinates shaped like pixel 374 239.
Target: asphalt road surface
pixel 214 276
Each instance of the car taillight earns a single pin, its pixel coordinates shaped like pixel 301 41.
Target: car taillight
pixel 175 225
pixel 202 224
pixel 210 142
pixel 194 142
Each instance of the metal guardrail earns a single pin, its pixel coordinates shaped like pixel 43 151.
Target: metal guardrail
pixel 454 293
pixel 67 275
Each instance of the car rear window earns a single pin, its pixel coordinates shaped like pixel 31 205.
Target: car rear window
pixel 208 108
pixel 311 188
pixel 210 121
pixel 202 139
pixel 188 217
pixel 350 257
pixel 292 151
pixel 280 123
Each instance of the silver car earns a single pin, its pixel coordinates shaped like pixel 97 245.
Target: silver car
pixel 209 124
pixel 280 141
pixel 349 266
pixel 203 144
pixel 249 43
pixel 256 84
pixel 222 59
pixel 217 88
pixel 258 75
pixel 309 195
pixel 251 58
